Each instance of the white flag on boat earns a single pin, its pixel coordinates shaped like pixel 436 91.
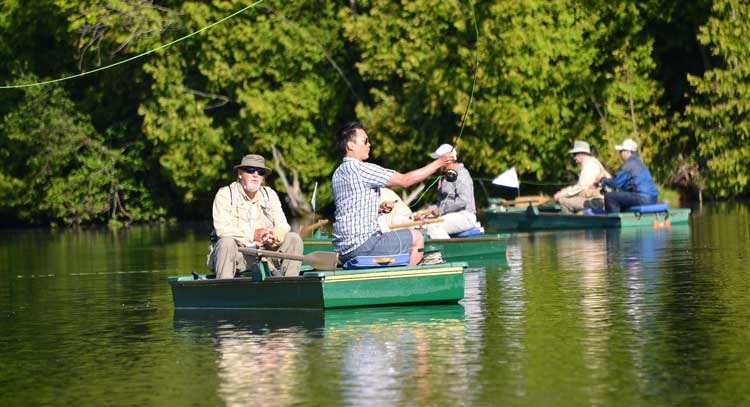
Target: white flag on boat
pixel 314 196
pixel 508 179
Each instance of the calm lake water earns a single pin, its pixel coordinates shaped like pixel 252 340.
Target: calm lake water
pixel 632 317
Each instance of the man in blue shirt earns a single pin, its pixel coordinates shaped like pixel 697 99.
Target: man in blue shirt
pixel 356 193
pixel 633 178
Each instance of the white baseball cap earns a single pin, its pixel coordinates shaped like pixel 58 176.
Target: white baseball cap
pixel 627 144
pixel 444 148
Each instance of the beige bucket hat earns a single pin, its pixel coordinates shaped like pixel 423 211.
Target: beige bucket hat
pixel 253 160
pixel 580 147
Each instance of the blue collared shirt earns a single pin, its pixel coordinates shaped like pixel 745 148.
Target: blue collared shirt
pixel 633 176
pixel 356 193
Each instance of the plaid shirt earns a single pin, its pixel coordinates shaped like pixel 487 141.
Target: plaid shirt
pixel 356 193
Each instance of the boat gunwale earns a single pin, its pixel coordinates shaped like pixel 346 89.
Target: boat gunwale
pixel 315 276
pixel 486 237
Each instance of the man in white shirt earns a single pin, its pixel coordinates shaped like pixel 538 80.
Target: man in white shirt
pixel 248 214
pixel 583 194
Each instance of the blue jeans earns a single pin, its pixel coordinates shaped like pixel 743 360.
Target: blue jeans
pixel 382 244
pixel 615 201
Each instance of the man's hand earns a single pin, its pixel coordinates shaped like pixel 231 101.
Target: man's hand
pixel 264 235
pixel 386 206
pixel 423 213
pixel 445 159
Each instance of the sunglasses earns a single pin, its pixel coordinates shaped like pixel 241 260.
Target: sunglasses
pixel 253 170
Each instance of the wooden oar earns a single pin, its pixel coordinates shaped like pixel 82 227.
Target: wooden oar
pixel 309 228
pixel 415 223
pixel 533 200
pixel 319 260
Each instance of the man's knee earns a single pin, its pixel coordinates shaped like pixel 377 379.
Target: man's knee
pixel 417 240
pixel 292 243
pixel 226 243
pixel 293 239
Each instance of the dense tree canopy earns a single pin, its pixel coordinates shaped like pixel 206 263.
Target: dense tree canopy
pixel 154 137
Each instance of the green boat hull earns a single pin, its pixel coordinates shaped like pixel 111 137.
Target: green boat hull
pixel 439 283
pixel 445 317
pixel 530 221
pixel 472 250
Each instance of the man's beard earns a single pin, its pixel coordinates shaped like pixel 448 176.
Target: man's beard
pixel 251 186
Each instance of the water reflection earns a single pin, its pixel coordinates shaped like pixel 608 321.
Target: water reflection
pixel 626 317
pixel 398 354
pixel 259 354
pixel 582 304
pixel 270 356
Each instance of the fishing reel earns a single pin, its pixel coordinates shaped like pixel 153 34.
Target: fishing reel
pixel 451 175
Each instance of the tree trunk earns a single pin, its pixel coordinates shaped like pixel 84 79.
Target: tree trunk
pixel 297 202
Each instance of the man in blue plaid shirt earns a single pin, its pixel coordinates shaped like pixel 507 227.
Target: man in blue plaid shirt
pixel 356 193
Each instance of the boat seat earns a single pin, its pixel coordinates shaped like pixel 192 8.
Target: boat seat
pixel 377 261
pixel 590 211
pixel 653 208
pixel 476 230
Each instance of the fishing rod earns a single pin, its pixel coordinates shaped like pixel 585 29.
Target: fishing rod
pixel 451 175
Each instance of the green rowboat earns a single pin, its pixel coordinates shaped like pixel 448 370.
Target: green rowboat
pixel 543 218
pixel 315 289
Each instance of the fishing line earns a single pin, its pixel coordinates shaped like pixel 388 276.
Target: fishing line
pixel 474 82
pixel 93 273
pixel 421 195
pixel 159 48
pixel 452 175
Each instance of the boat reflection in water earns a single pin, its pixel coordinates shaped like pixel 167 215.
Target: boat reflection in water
pixel 273 356
pixel 568 299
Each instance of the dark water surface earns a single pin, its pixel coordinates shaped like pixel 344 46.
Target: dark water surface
pixel 616 318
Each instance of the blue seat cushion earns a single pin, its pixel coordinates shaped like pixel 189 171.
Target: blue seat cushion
pixel 590 211
pixel 658 207
pixel 377 261
pixel 471 232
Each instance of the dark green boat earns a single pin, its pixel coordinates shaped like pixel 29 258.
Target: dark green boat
pixel 550 218
pixel 473 249
pixel 315 289
pixel 439 317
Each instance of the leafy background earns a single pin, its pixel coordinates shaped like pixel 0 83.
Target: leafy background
pixel 154 138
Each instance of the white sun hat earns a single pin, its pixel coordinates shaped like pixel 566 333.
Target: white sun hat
pixel 444 148
pixel 580 147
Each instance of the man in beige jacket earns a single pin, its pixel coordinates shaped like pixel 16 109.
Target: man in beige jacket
pixel 248 214
pixel 583 194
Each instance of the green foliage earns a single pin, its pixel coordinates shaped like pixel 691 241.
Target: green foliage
pixel 536 86
pixel 157 136
pixel 271 63
pixel 418 66
pixel 57 167
pixel 627 96
pixel 718 113
pixel 189 149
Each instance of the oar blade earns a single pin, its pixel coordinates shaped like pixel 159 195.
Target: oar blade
pixel 322 260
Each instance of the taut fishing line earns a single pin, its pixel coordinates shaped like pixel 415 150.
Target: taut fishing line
pixel 169 44
pixel 452 175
